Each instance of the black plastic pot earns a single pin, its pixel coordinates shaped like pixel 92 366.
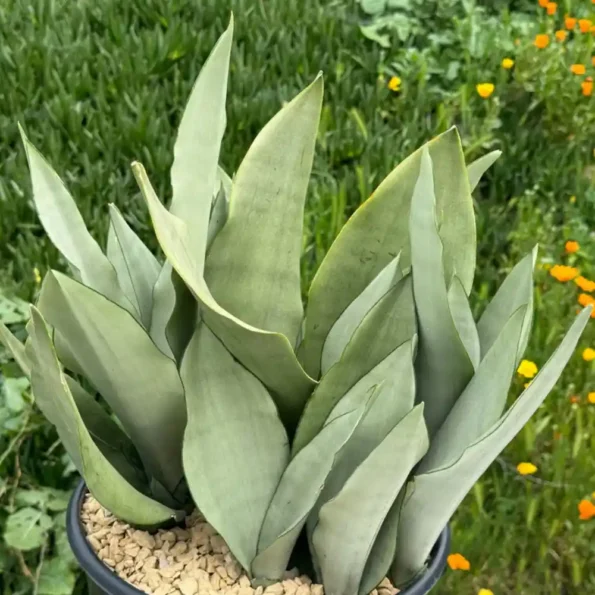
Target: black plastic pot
pixel 102 581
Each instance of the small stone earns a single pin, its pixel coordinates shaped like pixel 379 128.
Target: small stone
pixel 246 591
pixel 220 570
pixel 275 589
pixel 181 534
pixel 188 586
pixel 94 542
pixel 178 549
pixel 109 562
pixel 215 580
pixel 233 570
pixel 306 580
pixel 150 562
pixel 290 587
pixel 259 590
pixel 163 590
pixel 303 590
pixel 168 537
pixel 218 544
pixel 244 581
pixel 374 592
pixel 143 539
pixel 317 590
pixel 168 572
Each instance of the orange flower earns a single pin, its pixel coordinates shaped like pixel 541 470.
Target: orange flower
pixel 587 87
pixel 563 273
pixel 575 399
pixel 458 562
pixel 584 299
pixel 578 69
pixel 542 40
pixel 551 8
pixel 585 25
pixel 586 510
pixel 570 23
pixel 593 60
pixel 561 35
pixel 572 246
pixel 543 3
pixel 585 284
pixel 484 90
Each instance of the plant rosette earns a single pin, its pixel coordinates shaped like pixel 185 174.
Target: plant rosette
pixel 189 559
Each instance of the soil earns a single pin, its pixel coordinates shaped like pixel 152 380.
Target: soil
pixel 194 560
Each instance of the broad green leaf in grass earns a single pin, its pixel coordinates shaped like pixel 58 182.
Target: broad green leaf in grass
pixel 269 356
pixel 140 384
pixel 437 494
pixel 253 266
pixel 477 168
pixel 141 267
pixel 219 213
pixel 462 316
pixel 379 230
pixel 297 492
pixel 482 402
pixel 515 291
pixel 16 349
pixel 342 331
pixel 390 323
pixel 443 366
pixel 52 394
pixel 66 229
pixel 195 169
pixel 235 446
pixel 349 524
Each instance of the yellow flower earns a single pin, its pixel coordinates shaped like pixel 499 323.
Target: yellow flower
pixel 572 199
pixel 584 299
pixel 587 87
pixel 578 69
pixel 37 275
pixel 458 562
pixel 572 246
pixel 591 398
pixel 561 35
pixel 585 284
pixel 527 384
pixel 507 63
pixel 395 83
pixel 563 273
pixel 551 8
pixel 542 40
pixel 570 23
pixel 485 89
pixel 527 368
pixel 485 592
pixel 526 468
pixel 585 25
pixel 589 354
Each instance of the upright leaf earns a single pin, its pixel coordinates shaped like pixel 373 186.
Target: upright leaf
pixel 235 446
pixel 269 356
pixel 116 257
pixel 515 292
pixel 219 214
pixel 253 267
pixel 349 523
pixel 16 349
pixel 477 168
pixel 54 398
pixel 342 331
pixel 443 366
pixel 437 494
pixel 141 385
pixel 462 317
pixel 164 303
pixel 379 230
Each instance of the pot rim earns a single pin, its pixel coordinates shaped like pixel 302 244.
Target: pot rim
pixel 105 578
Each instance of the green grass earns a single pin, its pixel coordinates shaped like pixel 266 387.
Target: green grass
pixel 97 85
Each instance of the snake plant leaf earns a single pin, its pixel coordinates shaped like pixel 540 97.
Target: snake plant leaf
pixel 219 213
pixel 296 494
pixel 141 267
pixel 116 257
pixel 477 168
pixel 253 266
pixel 342 331
pixel 140 384
pixel 438 493
pixel 462 316
pixel 16 349
pixel 349 523
pixel 66 229
pixel 223 181
pixel 389 324
pixel 516 291
pixel 482 402
pixel 198 144
pixel 235 446
pixel 443 366
pixel 379 230
pixel 164 303
pixel 52 394
pixel 269 356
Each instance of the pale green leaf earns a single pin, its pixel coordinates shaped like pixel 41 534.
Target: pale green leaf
pixel 141 267
pixel 462 316
pixel 16 349
pixel 116 257
pixel 349 524
pixel 253 266
pixel 477 168
pixel 442 365
pixel 389 323
pixel 27 529
pixel 269 356
pixel 437 494
pixel 66 229
pixel 342 331
pixel 379 230
pixel 296 494
pixel 235 446
pixel 164 303
pixel 56 577
pixel 516 291
pixel 196 151
pixel 141 385
pixel 54 398
pixel 219 214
